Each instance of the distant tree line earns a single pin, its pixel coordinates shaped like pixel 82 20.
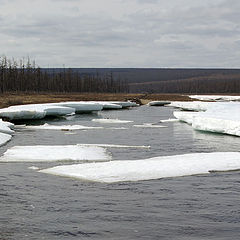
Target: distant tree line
pixel 217 83
pixel 25 76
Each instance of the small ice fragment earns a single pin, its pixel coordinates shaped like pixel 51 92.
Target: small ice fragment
pixel 169 120
pixel 106 120
pixel 149 125
pixel 62 127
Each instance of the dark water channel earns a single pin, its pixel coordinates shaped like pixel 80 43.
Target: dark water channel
pixel 39 206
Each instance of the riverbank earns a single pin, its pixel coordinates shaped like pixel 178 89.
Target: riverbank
pixel 9 99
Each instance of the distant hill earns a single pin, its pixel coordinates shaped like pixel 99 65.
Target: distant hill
pixel 139 75
pixel 169 80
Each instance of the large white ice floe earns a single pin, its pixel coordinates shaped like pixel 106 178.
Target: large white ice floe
pixel 82 107
pixel 220 117
pixel 60 127
pixel 152 168
pixel 108 120
pixel 42 153
pixel 215 97
pixel 4 138
pixel 34 111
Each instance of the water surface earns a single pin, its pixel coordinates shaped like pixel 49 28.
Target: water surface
pixel 39 206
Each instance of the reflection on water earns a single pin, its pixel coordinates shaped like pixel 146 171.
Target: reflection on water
pixel 40 206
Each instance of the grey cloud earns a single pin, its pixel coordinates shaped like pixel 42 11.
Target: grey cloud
pixel 152 36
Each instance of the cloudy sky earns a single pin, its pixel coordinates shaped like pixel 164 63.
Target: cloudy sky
pixel 122 33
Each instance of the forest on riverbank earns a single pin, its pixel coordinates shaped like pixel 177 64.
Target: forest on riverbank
pixel 25 76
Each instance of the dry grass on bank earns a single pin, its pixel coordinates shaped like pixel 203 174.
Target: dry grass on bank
pixel 9 99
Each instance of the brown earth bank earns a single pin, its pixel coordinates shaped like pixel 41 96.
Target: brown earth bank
pixel 9 99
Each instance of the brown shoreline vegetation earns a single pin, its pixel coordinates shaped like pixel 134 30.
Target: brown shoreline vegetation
pixel 9 99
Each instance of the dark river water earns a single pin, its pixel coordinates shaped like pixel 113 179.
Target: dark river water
pixel 39 206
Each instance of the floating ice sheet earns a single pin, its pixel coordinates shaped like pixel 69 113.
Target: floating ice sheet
pixel 82 107
pixel 220 117
pixel 153 168
pixel 149 125
pixel 190 106
pixel 106 120
pixel 55 153
pixel 113 145
pixel 61 127
pixel 169 120
pixel 158 103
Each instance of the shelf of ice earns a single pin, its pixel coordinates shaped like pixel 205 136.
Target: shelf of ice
pixel 215 97
pixel 39 111
pixel 41 153
pixel 34 111
pixel 220 117
pixel 152 168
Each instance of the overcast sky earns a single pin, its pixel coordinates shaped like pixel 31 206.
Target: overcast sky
pixel 122 33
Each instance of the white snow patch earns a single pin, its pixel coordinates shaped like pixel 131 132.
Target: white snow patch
pixel 106 120
pixel 152 168
pixel 55 153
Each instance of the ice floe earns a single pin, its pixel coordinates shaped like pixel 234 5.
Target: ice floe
pixel 5 127
pixel 149 125
pixel 112 145
pixel 126 104
pixel 60 127
pixel 190 106
pixel 4 138
pixel 34 111
pixel 81 106
pixel 220 117
pixel 109 105
pixel 108 120
pixel 169 120
pixel 158 103
pixel 152 168
pixel 42 153
pixel 215 97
